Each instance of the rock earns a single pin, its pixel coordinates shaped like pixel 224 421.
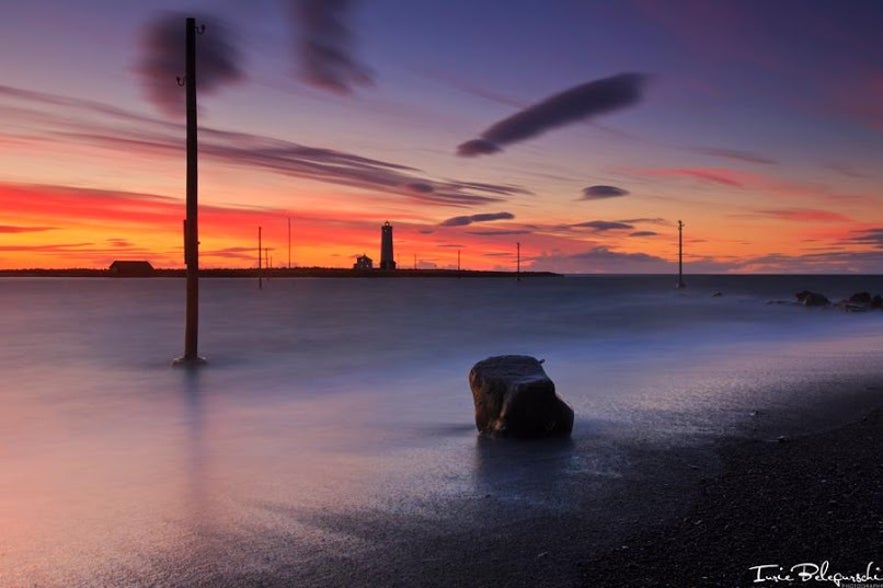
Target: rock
pixel 514 397
pixel 876 301
pixel 808 298
pixel 861 298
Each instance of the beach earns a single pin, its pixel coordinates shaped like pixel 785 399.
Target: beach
pixel 790 511
pixel 330 438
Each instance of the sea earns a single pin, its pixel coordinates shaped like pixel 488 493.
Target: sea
pixel 329 439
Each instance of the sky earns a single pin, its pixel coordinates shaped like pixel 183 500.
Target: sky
pixel 582 130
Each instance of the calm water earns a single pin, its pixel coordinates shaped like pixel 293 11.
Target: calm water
pixel 327 396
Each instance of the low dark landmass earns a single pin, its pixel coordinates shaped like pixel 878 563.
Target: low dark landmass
pixel 299 272
pixel 798 502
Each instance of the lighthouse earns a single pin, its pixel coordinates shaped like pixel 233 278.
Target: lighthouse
pixel 387 261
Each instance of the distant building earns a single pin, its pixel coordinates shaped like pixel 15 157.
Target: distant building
pixel 387 260
pixel 131 268
pixel 363 262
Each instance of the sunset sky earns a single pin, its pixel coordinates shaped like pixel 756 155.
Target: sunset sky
pixel 581 129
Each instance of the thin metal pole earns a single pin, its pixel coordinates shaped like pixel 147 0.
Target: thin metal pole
pixel 681 255
pixel 518 261
pixel 260 254
pixel 289 242
pixel 191 253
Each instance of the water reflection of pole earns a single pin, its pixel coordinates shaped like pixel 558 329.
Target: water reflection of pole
pixel 260 254
pixel 681 283
pixel 191 225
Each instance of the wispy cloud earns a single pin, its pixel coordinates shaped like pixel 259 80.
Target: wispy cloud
pixel 738 155
pixel 805 215
pixel 501 233
pixel 599 226
pixel 118 129
pixel 162 60
pixel 643 234
pixel 577 103
pixel 872 236
pixel 599 192
pixel 461 221
pixel 719 176
pixel 325 44
pixel 13 229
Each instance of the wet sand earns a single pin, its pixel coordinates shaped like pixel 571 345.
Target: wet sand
pixel 814 500
pixel 685 515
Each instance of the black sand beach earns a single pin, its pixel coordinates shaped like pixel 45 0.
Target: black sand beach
pixel 812 499
pixel 804 500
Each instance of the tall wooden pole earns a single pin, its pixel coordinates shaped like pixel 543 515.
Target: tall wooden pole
pixel 191 238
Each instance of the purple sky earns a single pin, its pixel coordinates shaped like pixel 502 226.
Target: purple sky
pixel 584 130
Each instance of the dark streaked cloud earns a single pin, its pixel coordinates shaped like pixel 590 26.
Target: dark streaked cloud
pixel 501 189
pixel 162 60
pixel 805 214
pixel 653 221
pixel 845 169
pixel 502 232
pixel 420 187
pixel 738 155
pixel 325 45
pixel 574 104
pixel 600 192
pixel 643 234
pixel 157 137
pixel 600 226
pixel 477 147
pixel 722 177
pixel 245 253
pixel 14 229
pixel 872 236
pixel 461 221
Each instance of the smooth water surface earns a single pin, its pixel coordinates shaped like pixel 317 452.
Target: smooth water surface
pixel 350 396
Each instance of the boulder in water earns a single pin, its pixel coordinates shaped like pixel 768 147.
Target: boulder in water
pixel 808 298
pixel 861 298
pixel 514 397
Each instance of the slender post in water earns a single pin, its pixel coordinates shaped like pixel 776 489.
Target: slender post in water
pixel 191 225
pixel 681 283
pixel 289 242
pixel 518 261
pixel 260 254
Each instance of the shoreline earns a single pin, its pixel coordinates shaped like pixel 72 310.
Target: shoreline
pixel 783 492
pixel 254 273
pixel 693 514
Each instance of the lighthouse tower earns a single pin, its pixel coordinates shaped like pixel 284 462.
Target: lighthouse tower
pixel 387 261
